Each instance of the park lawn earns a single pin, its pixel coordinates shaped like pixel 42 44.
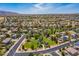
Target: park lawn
pixel 32 43
pixel 27 45
pixel 50 42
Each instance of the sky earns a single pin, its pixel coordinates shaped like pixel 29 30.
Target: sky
pixel 40 8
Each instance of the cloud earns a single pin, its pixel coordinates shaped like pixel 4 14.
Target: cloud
pixel 50 8
pixel 40 8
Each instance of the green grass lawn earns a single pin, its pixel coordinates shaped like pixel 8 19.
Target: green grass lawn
pixel 50 42
pixel 34 42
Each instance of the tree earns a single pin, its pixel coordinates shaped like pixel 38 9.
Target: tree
pixel 63 48
pixel 40 45
pixel 60 50
pixel 36 36
pixel 23 47
pixel 28 40
pixel 54 38
pixel 32 47
pixel 63 54
pixel 7 35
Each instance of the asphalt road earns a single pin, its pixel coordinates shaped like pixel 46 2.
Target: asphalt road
pixel 54 53
pixel 44 51
pixel 13 49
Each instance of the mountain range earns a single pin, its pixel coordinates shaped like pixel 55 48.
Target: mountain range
pixel 8 13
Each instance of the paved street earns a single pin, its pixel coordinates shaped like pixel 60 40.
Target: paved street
pixel 13 52
pixel 54 54
pixel 45 51
pixel 13 49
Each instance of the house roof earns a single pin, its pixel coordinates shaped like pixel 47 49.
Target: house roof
pixel 77 43
pixel 3 29
pixel 6 40
pixel 71 50
pixel 71 32
pixel 2 35
pixel 64 37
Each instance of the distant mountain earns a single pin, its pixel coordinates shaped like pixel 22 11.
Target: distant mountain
pixel 8 13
